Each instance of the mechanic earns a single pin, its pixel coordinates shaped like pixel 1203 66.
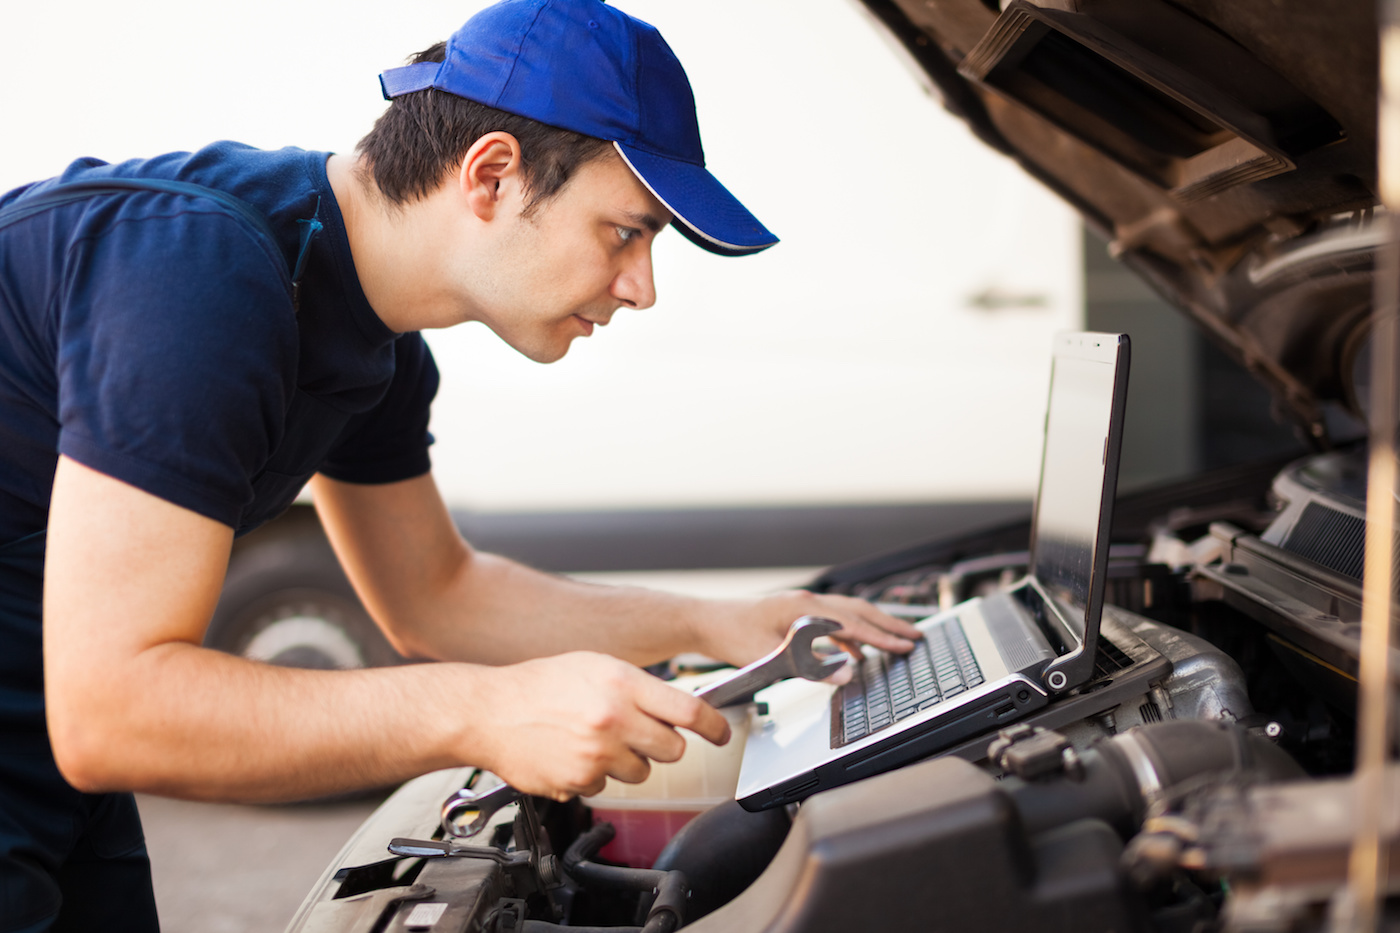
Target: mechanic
pixel 177 362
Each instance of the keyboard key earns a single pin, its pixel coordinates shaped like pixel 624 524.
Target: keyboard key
pixel 888 688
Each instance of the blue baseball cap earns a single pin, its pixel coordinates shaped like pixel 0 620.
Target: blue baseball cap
pixel 581 65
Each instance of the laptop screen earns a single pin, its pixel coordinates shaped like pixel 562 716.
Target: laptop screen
pixel 1072 489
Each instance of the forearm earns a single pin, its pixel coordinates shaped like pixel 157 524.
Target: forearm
pixel 186 721
pixel 436 597
pixel 496 611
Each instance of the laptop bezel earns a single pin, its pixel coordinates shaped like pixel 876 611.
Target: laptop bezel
pixel 1076 667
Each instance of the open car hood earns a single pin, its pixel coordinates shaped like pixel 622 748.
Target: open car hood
pixel 1226 148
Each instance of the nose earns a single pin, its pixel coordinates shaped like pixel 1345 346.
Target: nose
pixel 633 286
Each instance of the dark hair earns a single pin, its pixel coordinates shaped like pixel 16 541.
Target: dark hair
pixel 424 135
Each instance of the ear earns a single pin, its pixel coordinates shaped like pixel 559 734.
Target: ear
pixel 490 173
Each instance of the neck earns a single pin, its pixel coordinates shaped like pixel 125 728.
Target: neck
pixel 395 257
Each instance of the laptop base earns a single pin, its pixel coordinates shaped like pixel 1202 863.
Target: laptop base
pixel 1128 669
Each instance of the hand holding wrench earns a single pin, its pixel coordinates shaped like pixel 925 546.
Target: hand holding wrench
pixel 793 658
pixel 467 812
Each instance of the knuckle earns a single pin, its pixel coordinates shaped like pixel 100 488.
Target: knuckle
pixel 601 719
pixel 600 715
pixel 672 747
pixel 583 775
pixel 693 714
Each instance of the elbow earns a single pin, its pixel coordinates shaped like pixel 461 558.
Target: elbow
pixel 405 642
pixel 95 733
pixel 85 754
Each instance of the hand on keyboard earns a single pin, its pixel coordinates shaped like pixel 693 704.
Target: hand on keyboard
pixel 892 687
pixel 754 628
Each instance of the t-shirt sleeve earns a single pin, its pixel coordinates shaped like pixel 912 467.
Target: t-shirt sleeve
pixel 390 442
pixel 176 346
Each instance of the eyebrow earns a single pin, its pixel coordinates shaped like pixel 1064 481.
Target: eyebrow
pixel 650 221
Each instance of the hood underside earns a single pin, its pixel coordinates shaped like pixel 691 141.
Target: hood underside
pixel 1226 148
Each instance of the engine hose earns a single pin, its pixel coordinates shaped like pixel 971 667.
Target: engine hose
pixel 544 926
pixel 722 851
pixel 1123 776
pixel 670 887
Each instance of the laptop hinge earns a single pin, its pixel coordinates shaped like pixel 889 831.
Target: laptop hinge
pixel 1076 656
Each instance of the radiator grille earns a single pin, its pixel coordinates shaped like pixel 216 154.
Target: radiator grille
pixel 1331 538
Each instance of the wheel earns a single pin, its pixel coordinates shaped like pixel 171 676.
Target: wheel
pixel 286 601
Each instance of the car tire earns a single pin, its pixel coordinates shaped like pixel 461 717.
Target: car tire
pixel 286 601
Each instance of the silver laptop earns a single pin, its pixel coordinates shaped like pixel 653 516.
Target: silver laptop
pixel 987 661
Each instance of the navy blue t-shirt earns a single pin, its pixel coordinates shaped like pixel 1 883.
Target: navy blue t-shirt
pixel 152 337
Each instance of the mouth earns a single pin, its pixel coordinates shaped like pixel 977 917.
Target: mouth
pixel 588 324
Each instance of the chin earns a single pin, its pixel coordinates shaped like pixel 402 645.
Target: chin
pixel 546 354
pixel 537 347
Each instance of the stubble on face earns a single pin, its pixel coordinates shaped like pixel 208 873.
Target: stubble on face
pixel 555 274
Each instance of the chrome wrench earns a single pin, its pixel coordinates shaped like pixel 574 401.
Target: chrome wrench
pixel 475 809
pixel 793 658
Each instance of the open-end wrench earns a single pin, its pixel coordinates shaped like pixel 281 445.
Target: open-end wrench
pixel 793 658
pixel 467 812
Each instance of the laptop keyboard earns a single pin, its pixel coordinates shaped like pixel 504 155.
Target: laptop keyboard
pixel 889 687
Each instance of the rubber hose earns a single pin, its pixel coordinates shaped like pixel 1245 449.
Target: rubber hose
pixel 663 922
pixel 722 851
pixel 670 887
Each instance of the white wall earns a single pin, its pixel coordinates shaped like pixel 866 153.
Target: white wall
pixel 845 365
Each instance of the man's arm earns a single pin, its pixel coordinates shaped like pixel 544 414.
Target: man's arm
pixel 436 597
pixel 135 703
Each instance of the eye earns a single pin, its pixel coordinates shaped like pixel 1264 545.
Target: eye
pixel 626 234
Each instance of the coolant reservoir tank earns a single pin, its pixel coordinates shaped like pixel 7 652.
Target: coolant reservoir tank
pixel 648 814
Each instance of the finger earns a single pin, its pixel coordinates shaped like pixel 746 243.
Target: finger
pixel 630 768
pixel 592 789
pixel 653 739
pixel 851 647
pixel 867 614
pixel 861 630
pixel 892 624
pixel 845 672
pixel 862 622
pixel 678 708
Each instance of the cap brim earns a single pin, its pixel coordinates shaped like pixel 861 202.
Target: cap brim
pixel 409 78
pixel 704 210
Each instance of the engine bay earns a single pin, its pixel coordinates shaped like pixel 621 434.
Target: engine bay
pixel 1201 784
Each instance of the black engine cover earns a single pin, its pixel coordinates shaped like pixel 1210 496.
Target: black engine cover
pixel 935 846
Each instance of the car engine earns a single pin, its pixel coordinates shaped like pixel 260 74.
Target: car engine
pixel 1177 801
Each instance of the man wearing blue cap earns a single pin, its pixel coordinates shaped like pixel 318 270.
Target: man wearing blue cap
pixel 188 339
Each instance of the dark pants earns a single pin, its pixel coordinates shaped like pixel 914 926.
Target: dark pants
pixel 69 861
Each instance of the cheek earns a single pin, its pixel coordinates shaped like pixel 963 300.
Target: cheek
pixel 585 272
pixel 565 263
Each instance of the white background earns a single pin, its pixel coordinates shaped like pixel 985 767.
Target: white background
pixel 845 365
